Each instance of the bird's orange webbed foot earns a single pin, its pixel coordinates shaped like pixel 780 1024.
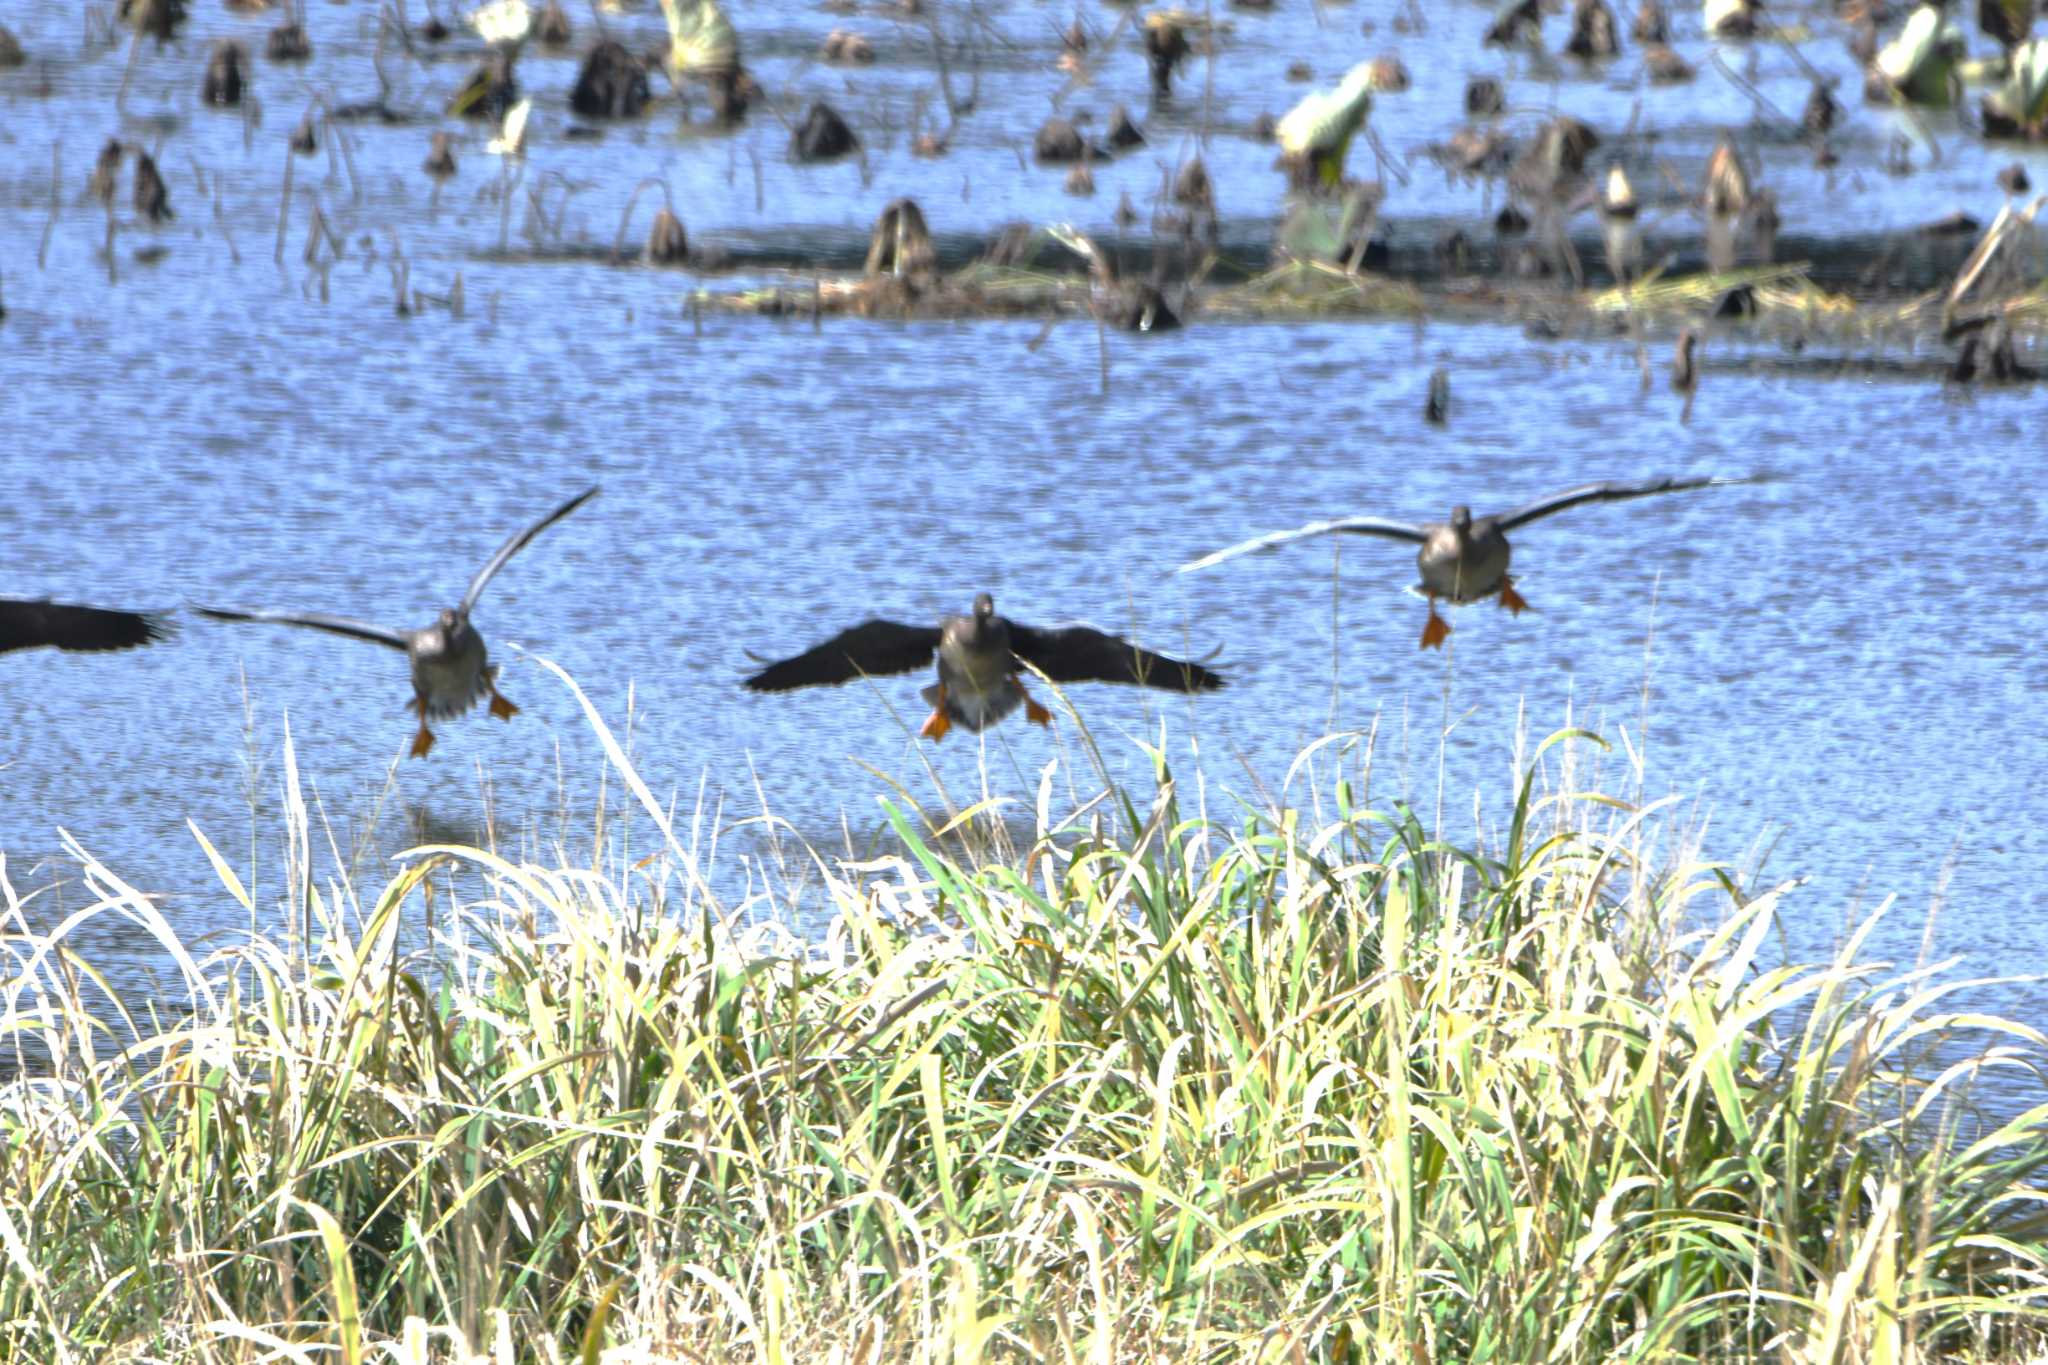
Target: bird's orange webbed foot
pixel 1511 599
pixel 938 722
pixel 1033 712
pixel 502 709
pixel 423 741
pixel 1435 630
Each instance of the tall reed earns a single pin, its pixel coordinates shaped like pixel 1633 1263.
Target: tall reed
pixel 1155 1089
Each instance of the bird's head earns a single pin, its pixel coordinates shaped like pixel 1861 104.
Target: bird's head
pixel 1461 519
pixel 984 607
pixel 448 620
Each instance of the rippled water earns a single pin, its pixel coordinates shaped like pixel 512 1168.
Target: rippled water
pixel 1836 661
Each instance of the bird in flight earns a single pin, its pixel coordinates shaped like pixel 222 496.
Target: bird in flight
pixel 1464 559
pixel 33 624
pixel 980 658
pixel 451 670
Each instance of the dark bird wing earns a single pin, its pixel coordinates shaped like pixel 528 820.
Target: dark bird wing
pixel 1357 526
pixel 27 625
pixel 870 648
pixel 337 625
pixel 1084 654
pixel 517 543
pixel 1602 492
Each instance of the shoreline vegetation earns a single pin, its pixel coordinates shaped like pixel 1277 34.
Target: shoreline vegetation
pixel 1580 232
pixel 1914 291
pixel 1302 1083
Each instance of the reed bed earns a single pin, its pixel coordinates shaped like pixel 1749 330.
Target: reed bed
pixel 1309 1085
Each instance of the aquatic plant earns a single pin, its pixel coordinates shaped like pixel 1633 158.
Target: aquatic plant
pixel 701 37
pixel 1131 1085
pixel 612 83
pixel 1920 64
pixel 822 136
pixel 1317 132
pixel 1731 18
pixel 1167 46
pixel 2019 107
pixel 506 22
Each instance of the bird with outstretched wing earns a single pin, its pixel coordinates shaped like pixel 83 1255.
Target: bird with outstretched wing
pixel 36 623
pixel 451 669
pixel 1466 558
pixel 980 659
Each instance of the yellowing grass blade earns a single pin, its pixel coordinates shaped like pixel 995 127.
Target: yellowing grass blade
pixel 348 1319
pixel 220 868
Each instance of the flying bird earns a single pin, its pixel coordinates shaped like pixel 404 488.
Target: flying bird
pixel 1464 559
pixel 981 657
pixel 33 624
pixel 451 670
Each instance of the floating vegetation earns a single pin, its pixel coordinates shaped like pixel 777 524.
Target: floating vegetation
pixel 977 291
pixel 1315 289
pixel 1773 286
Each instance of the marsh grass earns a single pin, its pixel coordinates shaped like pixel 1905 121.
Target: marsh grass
pixel 1155 1086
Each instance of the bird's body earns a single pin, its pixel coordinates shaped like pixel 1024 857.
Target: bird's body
pixel 451 670
pixel 977 683
pixel 40 623
pixel 1464 559
pixel 450 665
pixel 981 657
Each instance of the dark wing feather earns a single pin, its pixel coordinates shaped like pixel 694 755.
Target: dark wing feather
pixel 1601 492
pixel 27 625
pixel 336 625
pixel 1084 654
pixel 869 649
pixel 517 543
pixel 1357 526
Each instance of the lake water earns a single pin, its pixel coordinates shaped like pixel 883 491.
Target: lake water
pixel 1837 662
